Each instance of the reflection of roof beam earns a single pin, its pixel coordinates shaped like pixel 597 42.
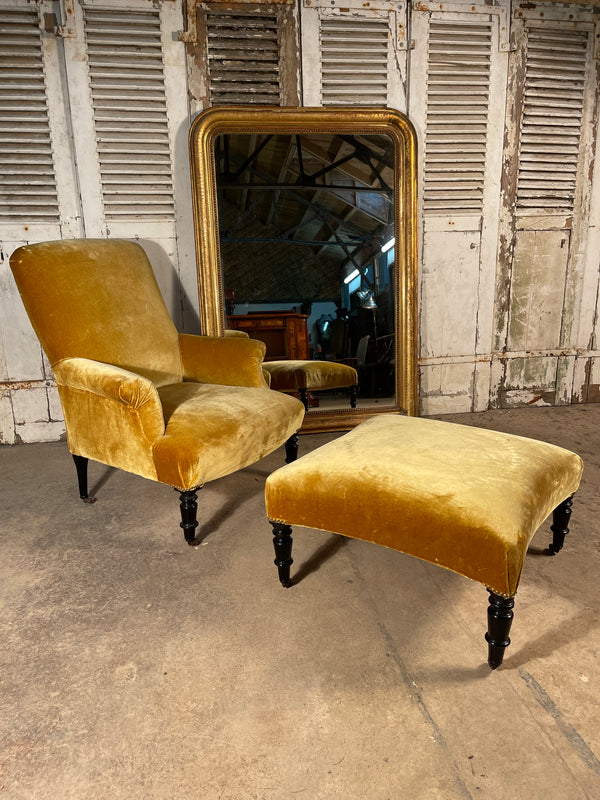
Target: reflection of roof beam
pixel 282 240
pixel 325 187
pixel 351 171
pixel 282 172
pixel 345 219
pixel 313 211
pixel 341 192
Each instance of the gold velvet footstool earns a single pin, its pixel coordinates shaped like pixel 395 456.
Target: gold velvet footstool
pixel 311 376
pixel 464 498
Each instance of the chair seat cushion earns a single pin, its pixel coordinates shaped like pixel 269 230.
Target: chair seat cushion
pixel 289 376
pixel 213 430
pixel 465 498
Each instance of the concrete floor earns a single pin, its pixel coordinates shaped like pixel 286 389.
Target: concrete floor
pixel 133 666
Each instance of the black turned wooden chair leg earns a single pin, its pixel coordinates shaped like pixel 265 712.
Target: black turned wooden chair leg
pixel 81 465
pixel 560 525
pixel 500 617
pixel 291 449
pixel 304 398
pixel 282 542
pixel 189 523
pixel 353 393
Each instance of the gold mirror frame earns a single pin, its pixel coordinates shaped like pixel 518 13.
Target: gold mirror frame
pixel 289 120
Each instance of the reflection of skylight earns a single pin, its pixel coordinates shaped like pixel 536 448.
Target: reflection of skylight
pixel 388 245
pixel 355 284
pixel 351 276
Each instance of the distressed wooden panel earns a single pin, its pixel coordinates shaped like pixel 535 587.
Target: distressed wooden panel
pixel 446 388
pixel 39 432
pixel 30 405
pixel 593 381
pixel 22 351
pixel 450 278
pixel 530 372
pixel 537 290
pixel 564 380
pixel 580 380
pixel 54 406
pixel 7 423
pixel 529 381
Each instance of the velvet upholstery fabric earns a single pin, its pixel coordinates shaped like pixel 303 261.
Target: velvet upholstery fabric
pixel 289 376
pixel 464 498
pixel 98 299
pixel 135 394
pixel 212 431
pixel 231 362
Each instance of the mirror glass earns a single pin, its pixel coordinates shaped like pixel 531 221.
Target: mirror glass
pixel 306 230
pixel 305 233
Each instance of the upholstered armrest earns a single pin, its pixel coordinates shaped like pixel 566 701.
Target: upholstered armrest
pixel 108 382
pixel 105 380
pixel 230 361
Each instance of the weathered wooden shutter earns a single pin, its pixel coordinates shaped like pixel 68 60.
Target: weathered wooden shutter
pixel 243 56
pixel 458 87
pixel 457 102
pixel 27 176
pixel 130 113
pixel 555 71
pixel 354 53
pixel 545 310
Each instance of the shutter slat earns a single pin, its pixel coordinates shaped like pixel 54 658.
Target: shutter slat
pixel 27 178
pixel 130 113
pixel 552 112
pixel 457 116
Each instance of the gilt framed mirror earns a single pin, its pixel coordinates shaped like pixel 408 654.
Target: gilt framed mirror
pixel 305 223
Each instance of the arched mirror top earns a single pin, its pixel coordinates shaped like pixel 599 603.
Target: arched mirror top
pixel 316 195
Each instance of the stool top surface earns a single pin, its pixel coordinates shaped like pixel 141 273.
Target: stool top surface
pixel 465 498
pixel 290 375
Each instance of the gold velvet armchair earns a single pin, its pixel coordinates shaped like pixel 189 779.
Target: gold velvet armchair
pixel 136 394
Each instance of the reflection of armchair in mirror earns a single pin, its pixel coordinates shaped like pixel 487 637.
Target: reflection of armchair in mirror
pixel 307 217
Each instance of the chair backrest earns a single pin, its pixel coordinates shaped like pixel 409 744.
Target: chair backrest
pixel 98 299
pixel 361 350
pixel 338 345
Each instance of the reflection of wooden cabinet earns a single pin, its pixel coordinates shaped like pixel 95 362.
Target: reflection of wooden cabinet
pixel 284 332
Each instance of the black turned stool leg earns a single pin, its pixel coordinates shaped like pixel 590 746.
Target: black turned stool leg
pixel 560 525
pixel 500 617
pixel 81 465
pixel 304 397
pixel 282 542
pixel 189 523
pixel 353 392
pixel 291 449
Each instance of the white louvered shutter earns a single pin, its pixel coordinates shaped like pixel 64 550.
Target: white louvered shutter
pixel 457 103
pixel 126 77
pixel 243 56
pixel 555 71
pixel 27 175
pixel 456 128
pixel 354 60
pixel 354 53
